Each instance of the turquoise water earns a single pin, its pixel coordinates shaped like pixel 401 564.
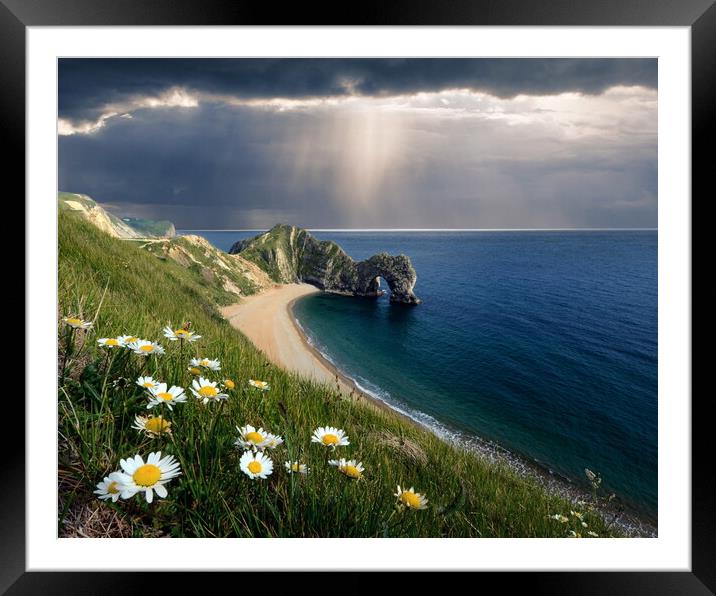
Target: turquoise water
pixel 543 342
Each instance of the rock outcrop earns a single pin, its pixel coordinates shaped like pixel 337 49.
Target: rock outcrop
pixel 290 254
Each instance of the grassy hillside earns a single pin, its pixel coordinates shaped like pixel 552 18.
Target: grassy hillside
pixel 227 276
pixel 124 289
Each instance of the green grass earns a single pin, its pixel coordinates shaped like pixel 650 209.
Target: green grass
pixel 126 290
pixel 205 266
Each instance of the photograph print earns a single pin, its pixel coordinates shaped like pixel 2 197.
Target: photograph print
pixel 378 298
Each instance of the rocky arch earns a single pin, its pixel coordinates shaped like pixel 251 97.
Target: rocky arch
pixel 398 273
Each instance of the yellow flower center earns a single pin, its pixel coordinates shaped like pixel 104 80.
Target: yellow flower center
pixel 329 439
pixel 165 396
pixel 296 467
pixel 112 488
pixel 410 499
pixel 148 384
pixel 111 342
pixel 208 391
pixel 229 383
pixel 204 362
pixel 195 371
pixel 73 321
pixel 351 471
pixel 147 348
pixel 253 437
pixel 130 340
pixel 157 425
pixel 254 467
pixel 147 475
pixel 181 332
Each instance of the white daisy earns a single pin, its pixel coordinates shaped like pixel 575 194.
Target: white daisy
pixel 250 438
pixel 560 518
pixel 161 395
pixel 330 436
pixel 177 334
pixel 263 385
pixel 296 468
pixel 110 488
pixel 206 363
pixel 256 464
pixel 109 342
pixel 410 499
pixel 125 340
pixel 145 348
pixel 273 441
pixel 154 426
pixel 148 477
pixel 147 382
pixel 593 534
pixel 206 390
pixel 350 467
pixel 77 323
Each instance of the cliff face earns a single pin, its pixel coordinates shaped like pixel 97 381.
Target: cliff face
pixel 88 209
pixel 128 228
pixel 290 254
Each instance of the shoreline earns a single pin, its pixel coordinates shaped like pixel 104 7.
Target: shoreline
pixel 295 353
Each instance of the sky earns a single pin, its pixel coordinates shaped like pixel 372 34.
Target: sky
pixel 363 143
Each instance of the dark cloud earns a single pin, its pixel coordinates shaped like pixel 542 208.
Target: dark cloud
pixel 218 166
pixel 87 85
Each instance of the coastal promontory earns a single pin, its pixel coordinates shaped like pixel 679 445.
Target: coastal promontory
pixel 290 254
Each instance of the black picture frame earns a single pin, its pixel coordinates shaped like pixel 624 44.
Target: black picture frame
pixel 699 15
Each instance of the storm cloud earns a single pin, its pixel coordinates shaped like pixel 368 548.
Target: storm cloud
pixel 414 143
pixel 87 85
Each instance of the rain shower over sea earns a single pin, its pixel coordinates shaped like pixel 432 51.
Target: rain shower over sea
pixel 543 342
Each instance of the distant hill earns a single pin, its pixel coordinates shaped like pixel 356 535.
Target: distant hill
pixel 150 228
pixel 129 227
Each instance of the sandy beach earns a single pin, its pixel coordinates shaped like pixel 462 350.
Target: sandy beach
pixel 267 320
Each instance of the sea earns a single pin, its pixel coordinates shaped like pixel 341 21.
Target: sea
pixel 543 343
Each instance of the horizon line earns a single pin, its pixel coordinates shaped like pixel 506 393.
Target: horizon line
pixel 426 229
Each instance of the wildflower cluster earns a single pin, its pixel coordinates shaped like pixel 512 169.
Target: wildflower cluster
pixel 136 476
pixel 150 477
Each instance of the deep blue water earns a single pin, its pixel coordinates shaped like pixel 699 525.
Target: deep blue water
pixel 544 342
